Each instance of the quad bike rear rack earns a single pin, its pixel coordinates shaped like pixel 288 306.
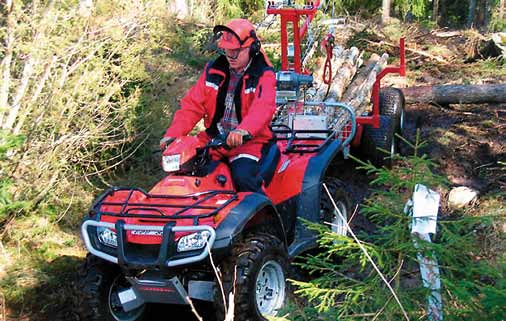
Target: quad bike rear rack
pixel 284 132
pixel 341 125
pixel 155 204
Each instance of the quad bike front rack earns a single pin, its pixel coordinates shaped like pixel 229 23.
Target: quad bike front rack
pixel 125 202
pixel 162 260
pixel 123 206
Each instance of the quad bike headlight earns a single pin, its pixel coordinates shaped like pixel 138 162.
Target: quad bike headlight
pixel 107 236
pixel 170 163
pixel 193 241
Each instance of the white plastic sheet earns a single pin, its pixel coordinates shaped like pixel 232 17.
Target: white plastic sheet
pixel 423 208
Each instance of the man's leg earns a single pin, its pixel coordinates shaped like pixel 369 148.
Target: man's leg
pixel 245 175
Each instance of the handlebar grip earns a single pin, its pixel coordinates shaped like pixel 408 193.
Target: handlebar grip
pixel 247 138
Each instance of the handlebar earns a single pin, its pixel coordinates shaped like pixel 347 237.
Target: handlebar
pixel 221 141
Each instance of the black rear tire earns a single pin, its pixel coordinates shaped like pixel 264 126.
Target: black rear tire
pixel 374 139
pixel 392 103
pixel 96 293
pixel 257 257
pixel 392 115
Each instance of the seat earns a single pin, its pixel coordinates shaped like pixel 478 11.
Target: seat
pixel 269 162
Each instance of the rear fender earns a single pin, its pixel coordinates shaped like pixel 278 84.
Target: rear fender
pixel 308 203
pixel 254 212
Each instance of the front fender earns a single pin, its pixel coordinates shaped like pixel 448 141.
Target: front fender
pixel 254 208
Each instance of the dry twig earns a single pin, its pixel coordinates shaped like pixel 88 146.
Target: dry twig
pixel 365 252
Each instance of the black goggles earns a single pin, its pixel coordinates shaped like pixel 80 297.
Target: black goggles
pixel 231 53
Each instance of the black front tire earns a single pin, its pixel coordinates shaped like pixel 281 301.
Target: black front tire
pixel 341 197
pixel 96 292
pixel 258 265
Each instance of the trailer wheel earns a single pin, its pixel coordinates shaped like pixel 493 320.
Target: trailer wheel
pixel 380 144
pixel 392 103
pixel 97 292
pixel 256 274
pixel 328 213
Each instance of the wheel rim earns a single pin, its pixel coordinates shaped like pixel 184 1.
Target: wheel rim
pixel 338 225
pixel 115 307
pixel 401 120
pixel 270 288
pixel 394 147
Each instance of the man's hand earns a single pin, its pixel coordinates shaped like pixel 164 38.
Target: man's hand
pixel 165 141
pixel 236 137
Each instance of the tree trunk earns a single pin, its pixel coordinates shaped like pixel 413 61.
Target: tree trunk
pixel 180 8
pixel 5 65
pixel 487 13
pixel 385 11
pixel 502 7
pixel 471 13
pixel 456 94
pixel 360 77
pixel 344 76
pixel 435 10
pixel 443 12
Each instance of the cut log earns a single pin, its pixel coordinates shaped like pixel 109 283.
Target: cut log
pixel 338 58
pixel 338 55
pixel 344 76
pixel 456 94
pixel 360 77
pixel 361 99
pixel 446 34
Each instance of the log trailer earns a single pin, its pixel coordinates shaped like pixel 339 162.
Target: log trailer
pixel 375 129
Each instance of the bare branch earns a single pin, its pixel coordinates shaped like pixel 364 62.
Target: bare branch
pixel 218 278
pixel 5 66
pixel 194 311
pixel 16 105
pixel 35 95
pixel 119 162
pixel 366 253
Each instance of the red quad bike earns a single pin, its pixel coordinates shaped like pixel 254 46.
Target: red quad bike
pixel 160 246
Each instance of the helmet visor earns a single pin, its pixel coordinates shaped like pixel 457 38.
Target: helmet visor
pixel 228 40
pixel 231 53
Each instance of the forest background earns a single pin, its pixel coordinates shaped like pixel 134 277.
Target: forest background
pixel 86 90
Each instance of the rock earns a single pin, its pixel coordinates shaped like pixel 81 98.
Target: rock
pixel 462 196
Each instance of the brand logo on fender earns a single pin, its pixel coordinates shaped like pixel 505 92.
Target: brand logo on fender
pixel 155 289
pixel 147 233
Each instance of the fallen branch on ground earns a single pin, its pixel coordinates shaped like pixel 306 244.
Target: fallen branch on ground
pixel 419 52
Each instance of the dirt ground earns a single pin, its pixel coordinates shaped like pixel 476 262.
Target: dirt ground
pixel 468 142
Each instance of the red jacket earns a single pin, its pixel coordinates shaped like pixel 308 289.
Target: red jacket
pixel 255 102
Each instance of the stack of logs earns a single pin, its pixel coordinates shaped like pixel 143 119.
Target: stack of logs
pixel 352 80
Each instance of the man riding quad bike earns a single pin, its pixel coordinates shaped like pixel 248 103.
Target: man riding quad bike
pixel 200 233
pixel 157 247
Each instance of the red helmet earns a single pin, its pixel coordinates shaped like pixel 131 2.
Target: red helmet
pixel 236 34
